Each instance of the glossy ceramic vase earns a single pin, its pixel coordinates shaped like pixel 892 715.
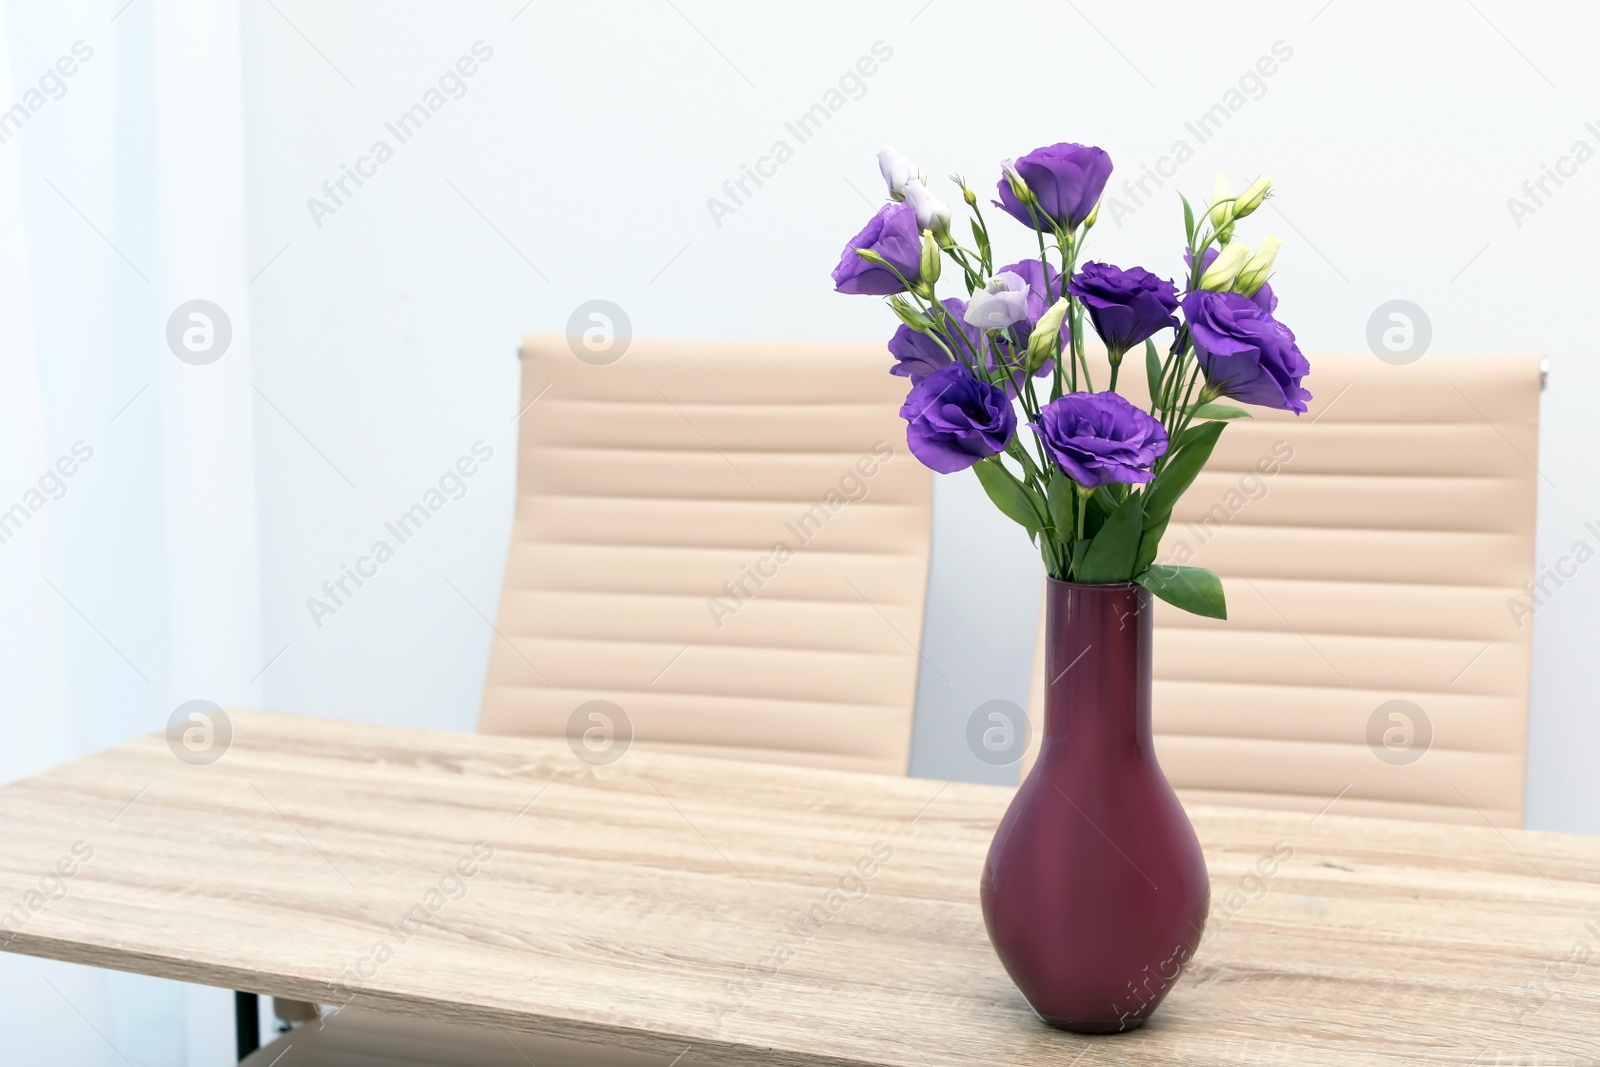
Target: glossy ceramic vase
pixel 1095 891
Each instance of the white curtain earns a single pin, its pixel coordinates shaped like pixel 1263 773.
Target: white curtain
pixel 128 555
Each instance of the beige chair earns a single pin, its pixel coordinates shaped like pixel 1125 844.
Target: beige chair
pixel 720 549
pixel 1375 553
pixel 727 540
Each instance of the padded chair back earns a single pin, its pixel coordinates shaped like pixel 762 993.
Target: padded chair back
pixel 1375 553
pixel 727 541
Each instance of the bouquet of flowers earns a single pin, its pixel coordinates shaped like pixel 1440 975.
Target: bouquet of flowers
pixel 1095 478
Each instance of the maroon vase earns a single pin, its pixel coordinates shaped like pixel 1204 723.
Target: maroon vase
pixel 1095 891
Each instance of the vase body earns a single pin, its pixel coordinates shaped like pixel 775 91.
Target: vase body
pixel 1095 891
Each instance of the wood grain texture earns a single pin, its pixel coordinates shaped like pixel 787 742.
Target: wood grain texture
pixel 760 913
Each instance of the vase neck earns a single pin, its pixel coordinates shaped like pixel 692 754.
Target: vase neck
pixel 1097 665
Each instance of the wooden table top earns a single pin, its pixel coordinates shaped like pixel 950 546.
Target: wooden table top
pixel 765 914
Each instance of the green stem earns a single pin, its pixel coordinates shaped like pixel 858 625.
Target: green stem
pixel 1185 417
pixel 1077 343
pixel 960 255
pixel 1044 269
pixel 1175 365
pixel 958 336
pixel 933 309
pixel 1068 248
pixel 987 256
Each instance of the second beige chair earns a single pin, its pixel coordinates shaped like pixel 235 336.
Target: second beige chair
pixel 1376 554
pixel 719 549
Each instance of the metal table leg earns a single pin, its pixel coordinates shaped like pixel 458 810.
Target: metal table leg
pixel 247 1022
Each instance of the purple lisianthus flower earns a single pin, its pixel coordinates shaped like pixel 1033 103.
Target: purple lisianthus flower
pixel 893 234
pixel 1127 307
pixel 1100 439
pixel 953 420
pixel 1066 180
pixel 1244 352
pixel 1264 297
pixel 1001 302
pixel 918 355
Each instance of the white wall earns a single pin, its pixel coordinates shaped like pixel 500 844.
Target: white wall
pixel 134 587
pixel 577 165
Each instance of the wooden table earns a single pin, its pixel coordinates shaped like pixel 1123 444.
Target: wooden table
pixel 763 914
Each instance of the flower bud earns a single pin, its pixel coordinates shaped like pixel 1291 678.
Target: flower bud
pixel 1019 187
pixel 896 170
pixel 906 313
pixel 932 214
pixel 1042 341
pixel 929 267
pixel 1221 203
pixel 1252 197
pixel 1257 269
pixel 1094 213
pixel 1225 268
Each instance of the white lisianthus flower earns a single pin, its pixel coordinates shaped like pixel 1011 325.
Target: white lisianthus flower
pixel 932 213
pixel 896 170
pixel 1000 303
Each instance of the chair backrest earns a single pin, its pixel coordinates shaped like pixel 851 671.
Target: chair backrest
pixel 727 541
pixel 1375 553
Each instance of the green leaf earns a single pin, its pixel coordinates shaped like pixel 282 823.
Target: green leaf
pixel 1150 545
pixel 1219 411
pixel 1193 434
pixel 1188 219
pixel 1055 552
pixel 1078 549
pixel 1098 506
pixel 1111 553
pixel 1194 589
pixel 1008 494
pixel 1060 505
pixel 1153 371
pixel 1194 448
